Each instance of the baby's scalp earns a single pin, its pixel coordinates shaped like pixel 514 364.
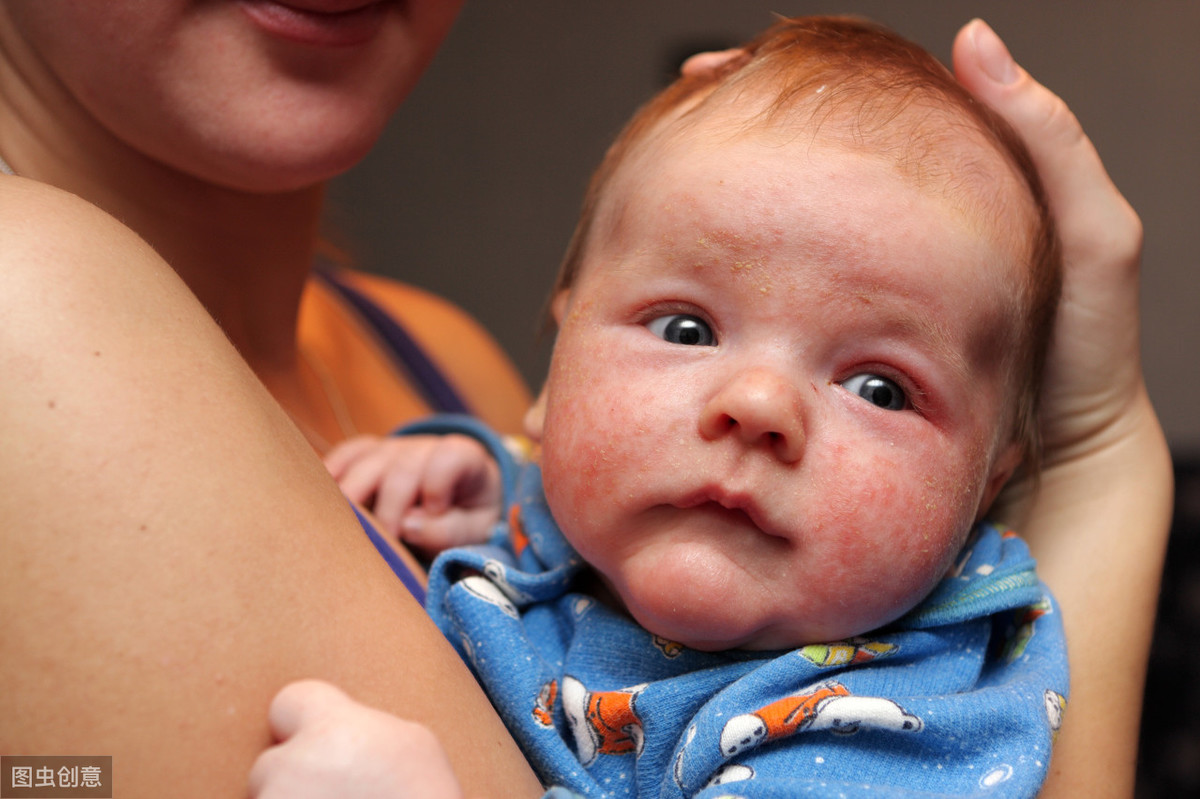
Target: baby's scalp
pixel 846 82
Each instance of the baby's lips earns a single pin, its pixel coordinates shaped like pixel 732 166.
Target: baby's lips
pixel 736 501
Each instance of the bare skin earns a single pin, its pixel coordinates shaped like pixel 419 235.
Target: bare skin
pixel 174 552
pixel 234 208
pixel 1100 431
pixel 178 554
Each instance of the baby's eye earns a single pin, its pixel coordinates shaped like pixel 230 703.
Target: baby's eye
pixel 681 328
pixel 877 390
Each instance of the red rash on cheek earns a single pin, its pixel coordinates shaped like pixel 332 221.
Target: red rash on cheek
pixel 587 434
pixel 883 536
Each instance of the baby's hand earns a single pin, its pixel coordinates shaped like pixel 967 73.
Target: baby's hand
pixel 330 746
pixel 431 492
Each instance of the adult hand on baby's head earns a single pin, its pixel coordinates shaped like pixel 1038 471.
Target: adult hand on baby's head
pixel 1099 525
pixel 712 60
pixel 1093 371
pixel 330 746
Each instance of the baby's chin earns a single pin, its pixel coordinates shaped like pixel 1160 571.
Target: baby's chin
pixel 709 626
pixel 704 604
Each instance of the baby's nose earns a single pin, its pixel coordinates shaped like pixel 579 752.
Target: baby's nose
pixel 760 408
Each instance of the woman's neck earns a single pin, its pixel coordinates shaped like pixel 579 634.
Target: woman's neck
pixel 245 256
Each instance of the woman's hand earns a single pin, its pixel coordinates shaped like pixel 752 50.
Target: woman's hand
pixel 1098 525
pixel 1094 373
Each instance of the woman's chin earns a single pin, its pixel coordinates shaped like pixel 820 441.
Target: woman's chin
pixel 277 166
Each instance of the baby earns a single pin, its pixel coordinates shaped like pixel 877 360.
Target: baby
pixel 800 334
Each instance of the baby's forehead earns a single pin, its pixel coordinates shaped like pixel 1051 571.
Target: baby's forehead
pixel 932 146
pixel 708 235
pixel 935 148
pixel 708 198
pixel 930 139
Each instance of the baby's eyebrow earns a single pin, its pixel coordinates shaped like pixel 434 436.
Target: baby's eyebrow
pixel 926 327
pixel 901 317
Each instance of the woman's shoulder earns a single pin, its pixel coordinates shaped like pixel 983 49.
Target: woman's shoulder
pixel 37 218
pixel 55 240
pixel 30 202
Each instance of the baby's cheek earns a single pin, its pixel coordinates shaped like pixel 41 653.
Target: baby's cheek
pixel 885 536
pixel 596 444
pixel 875 577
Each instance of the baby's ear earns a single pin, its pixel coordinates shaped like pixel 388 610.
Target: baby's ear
pixel 1002 469
pixel 558 306
pixel 535 417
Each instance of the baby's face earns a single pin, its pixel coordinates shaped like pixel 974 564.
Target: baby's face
pixel 778 397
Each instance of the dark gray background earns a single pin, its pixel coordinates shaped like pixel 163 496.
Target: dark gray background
pixel 474 190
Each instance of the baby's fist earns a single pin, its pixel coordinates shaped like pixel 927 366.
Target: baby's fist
pixel 330 746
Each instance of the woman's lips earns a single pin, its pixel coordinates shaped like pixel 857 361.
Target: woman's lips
pixel 324 23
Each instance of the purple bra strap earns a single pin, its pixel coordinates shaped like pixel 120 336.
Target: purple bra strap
pixel 406 353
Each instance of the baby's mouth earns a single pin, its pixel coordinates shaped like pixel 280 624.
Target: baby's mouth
pixel 735 516
pixel 737 509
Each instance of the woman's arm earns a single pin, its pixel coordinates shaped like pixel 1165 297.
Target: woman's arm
pixel 173 552
pixel 1099 523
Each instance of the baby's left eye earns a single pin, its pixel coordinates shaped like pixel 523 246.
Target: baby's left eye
pixel 682 328
pixel 877 390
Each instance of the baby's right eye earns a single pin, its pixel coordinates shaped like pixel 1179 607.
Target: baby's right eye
pixel 681 328
pixel 877 390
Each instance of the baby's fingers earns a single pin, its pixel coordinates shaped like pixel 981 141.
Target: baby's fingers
pixel 303 703
pixel 285 770
pixel 332 747
pixel 346 453
pixel 398 496
pixel 388 470
pixel 456 527
pixel 460 473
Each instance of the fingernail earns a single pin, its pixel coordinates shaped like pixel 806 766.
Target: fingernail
pixel 997 62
